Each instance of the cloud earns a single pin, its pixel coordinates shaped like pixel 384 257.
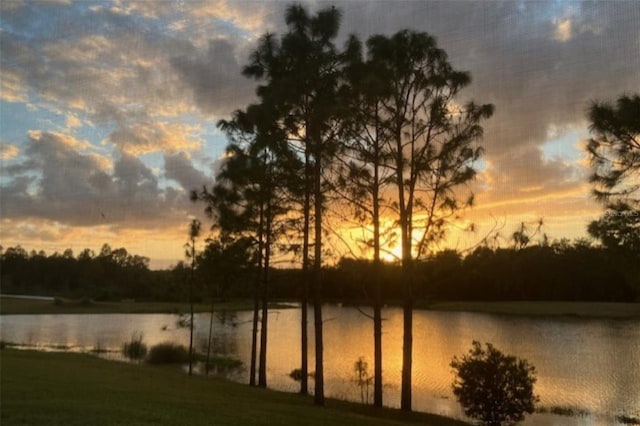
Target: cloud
pixel 178 167
pixel 251 17
pixel 121 58
pixel 214 77
pixel 563 30
pixel 8 151
pixel 138 75
pixel 59 180
pixel 73 121
pixel 143 138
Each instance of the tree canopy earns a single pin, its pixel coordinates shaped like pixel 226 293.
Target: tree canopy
pixel 614 151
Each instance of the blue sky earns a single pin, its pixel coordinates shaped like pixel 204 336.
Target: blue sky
pixel 108 108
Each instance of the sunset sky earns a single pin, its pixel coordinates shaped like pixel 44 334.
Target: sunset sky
pixel 109 109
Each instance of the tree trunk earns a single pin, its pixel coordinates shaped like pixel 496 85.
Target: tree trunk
pixel 405 238
pixel 191 325
pixel 206 367
pixel 377 341
pixel 407 341
pixel 317 270
pixel 377 303
pixel 304 337
pixel 254 330
pixel 262 372
pixel 256 300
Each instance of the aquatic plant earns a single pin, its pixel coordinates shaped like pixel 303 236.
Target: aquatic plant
pixel 135 349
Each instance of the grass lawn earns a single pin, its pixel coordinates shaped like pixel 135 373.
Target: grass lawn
pixel 39 388
pixel 14 306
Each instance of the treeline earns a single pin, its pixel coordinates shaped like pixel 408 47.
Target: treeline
pixel 555 272
pixel 111 274
pixel 559 271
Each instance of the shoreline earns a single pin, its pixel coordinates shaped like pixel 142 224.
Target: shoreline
pixel 602 310
pixel 121 393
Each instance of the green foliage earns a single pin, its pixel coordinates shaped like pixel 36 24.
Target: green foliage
pixel 492 387
pixel 618 228
pixel 112 274
pixel 135 349
pixel 168 353
pixel 614 152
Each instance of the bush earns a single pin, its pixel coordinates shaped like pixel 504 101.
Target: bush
pixel 135 348
pixel 494 388
pixel 168 353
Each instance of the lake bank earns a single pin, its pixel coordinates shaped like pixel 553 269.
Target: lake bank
pixel 15 306
pixel 586 365
pixel 41 388
pixel 20 306
pixel 535 308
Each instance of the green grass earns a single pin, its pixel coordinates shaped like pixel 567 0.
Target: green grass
pixel 578 309
pixel 41 388
pixel 10 306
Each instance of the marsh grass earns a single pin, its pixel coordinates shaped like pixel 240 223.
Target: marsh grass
pixel 135 349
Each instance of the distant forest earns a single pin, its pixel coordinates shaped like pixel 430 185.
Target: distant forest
pixel 561 271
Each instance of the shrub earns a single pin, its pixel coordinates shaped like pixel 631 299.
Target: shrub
pixel 223 364
pixel 168 353
pixel 628 420
pixel 134 349
pixel 296 374
pixel 494 388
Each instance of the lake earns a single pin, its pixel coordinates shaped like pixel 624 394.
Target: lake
pixel 589 366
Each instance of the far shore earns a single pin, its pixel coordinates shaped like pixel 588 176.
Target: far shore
pixel 26 306
pixel 17 306
pixel 536 308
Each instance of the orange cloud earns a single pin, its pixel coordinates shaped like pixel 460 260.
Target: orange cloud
pixel 8 151
pixel 143 138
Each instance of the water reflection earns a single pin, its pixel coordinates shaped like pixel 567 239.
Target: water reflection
pixel 591 365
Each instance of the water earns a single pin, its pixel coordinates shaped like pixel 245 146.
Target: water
pixel 591 366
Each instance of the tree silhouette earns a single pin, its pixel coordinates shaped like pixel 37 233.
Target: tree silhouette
pixel 432 141
pixel 300 74
pixel 614 152
pixel 365 173
pixel 253 196
pixel 494 388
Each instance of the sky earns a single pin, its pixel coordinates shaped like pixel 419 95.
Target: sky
pixel 108 109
